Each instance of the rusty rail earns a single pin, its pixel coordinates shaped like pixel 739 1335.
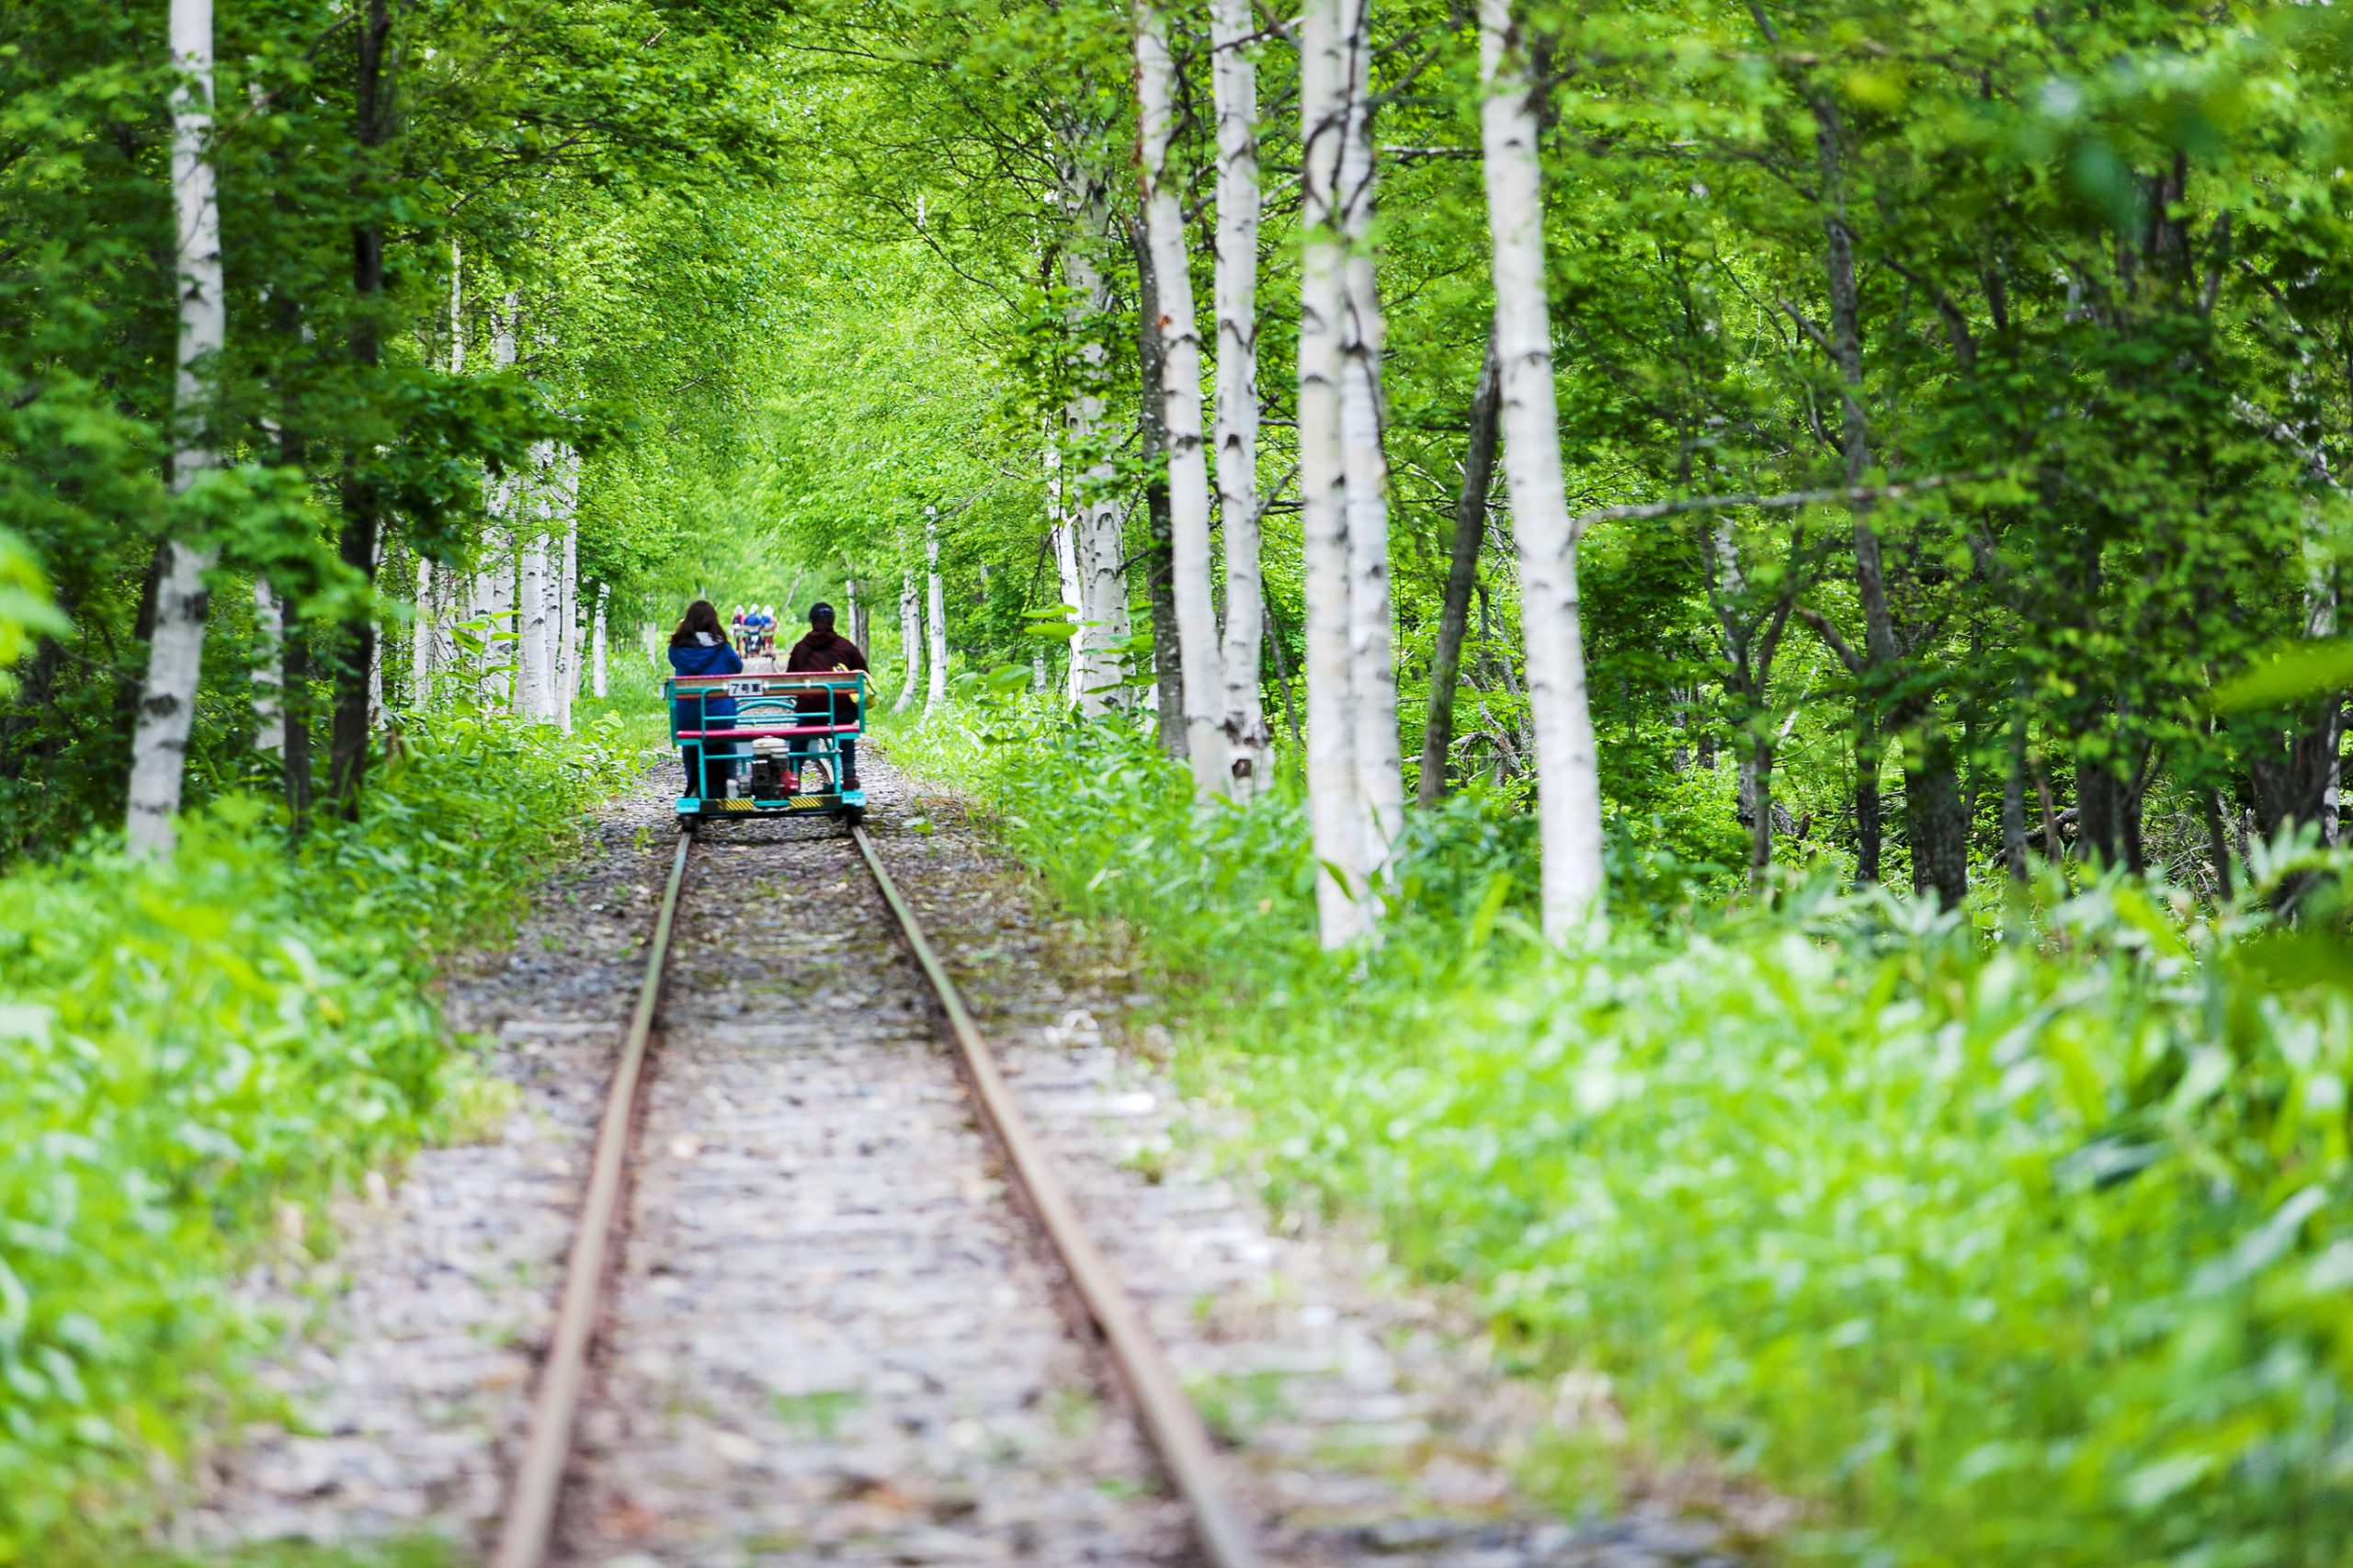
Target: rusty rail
pixel 530 1522
pixel 1169 1418
pixel 1170 1421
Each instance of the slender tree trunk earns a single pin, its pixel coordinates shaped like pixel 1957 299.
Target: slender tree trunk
pixel 1151 439
pixel 910 642
pixel 298 727
pixel 1234 87
pixel 1759 770
pixel 597 685
pixel 1282 676
pixel 1202 689
pixel 1372 662
pixel 1100 649
pixel 269 675
pixel 937 694
pixel 567 686
pixel 362 498
pixel 420 653
pixel 1462 572
pixel 533 696
pixel 2217 843
pixel 1568 778
pixel 1870 826
pixel 381 641
pixel 1062 525
pixel 1344 903
pixel 175 647
pixel 494 581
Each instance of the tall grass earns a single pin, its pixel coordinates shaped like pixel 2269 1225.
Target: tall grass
pixel 185 1048
pixel 2014 1239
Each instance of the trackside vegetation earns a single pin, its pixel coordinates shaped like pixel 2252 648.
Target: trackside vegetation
pixel 2010 1236
pixel 195 1045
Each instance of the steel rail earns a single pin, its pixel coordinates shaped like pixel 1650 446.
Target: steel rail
pixel 1169 1418
pixel 530 1522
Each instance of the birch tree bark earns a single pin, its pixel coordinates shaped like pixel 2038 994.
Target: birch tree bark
pixel 176 653
pixel 269 673
pixel 567 663
pixel 1372 666
pixel 1342 895
pixel 376 645
pixel 1165 695
pixel 597 686
pixel 493 609
pixel 910 642
pixel 1063 535
pixel 1099 541
pixel 1234 87
pixel 533 694
pixel 937 694
pixel 1568 779
pixel 1202 691
pixel 420 653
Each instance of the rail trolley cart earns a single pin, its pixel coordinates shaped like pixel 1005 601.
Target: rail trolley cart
pixel 785 744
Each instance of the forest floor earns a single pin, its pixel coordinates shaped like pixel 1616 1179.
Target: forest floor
pixel 831 1341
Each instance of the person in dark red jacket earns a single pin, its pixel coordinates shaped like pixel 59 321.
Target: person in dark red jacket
pixel 700 648
pixel 824 648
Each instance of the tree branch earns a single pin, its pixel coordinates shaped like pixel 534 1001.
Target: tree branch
pixel 1835 642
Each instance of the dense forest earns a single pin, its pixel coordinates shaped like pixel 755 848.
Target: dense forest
pixel 1814 530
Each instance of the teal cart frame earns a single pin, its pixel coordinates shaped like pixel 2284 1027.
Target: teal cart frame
pixel 773 746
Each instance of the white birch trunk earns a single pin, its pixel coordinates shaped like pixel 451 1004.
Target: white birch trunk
pixel 420 653
pixel 910 642
pixel 1372 667
pixel 1099 538
pixel 567 663
pixel 1235 88
pixel 457 308
pixel 1203 690
pixel 269 670
pixel 1341 891
pixel 495 588
pixel 533 702
pixel 175 655
pixel 376 643
pixel 597 685
pixel 935 694
pixel 1064 538
pixel 1568 778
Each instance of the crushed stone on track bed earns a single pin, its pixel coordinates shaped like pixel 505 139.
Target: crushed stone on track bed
pixel 831 1340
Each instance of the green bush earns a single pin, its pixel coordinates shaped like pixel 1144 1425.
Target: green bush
pixel 2024 1241
pixel 191 1046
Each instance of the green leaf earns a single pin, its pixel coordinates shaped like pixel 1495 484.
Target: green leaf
pixel 2287 673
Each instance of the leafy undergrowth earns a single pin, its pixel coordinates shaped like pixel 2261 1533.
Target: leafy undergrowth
pixel 2020 1241
pixel 192 1047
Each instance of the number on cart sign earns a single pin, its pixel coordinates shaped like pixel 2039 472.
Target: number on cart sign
pixel 748 688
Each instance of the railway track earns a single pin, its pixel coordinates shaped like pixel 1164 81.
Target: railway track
pixel 540 1527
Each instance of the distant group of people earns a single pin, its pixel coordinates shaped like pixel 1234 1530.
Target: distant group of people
pixel 699 647
pixel 753 630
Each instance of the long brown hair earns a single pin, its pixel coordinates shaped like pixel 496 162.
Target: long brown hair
pixel 701 617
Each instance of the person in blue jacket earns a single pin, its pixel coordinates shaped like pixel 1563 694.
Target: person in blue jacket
pixel 699 647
